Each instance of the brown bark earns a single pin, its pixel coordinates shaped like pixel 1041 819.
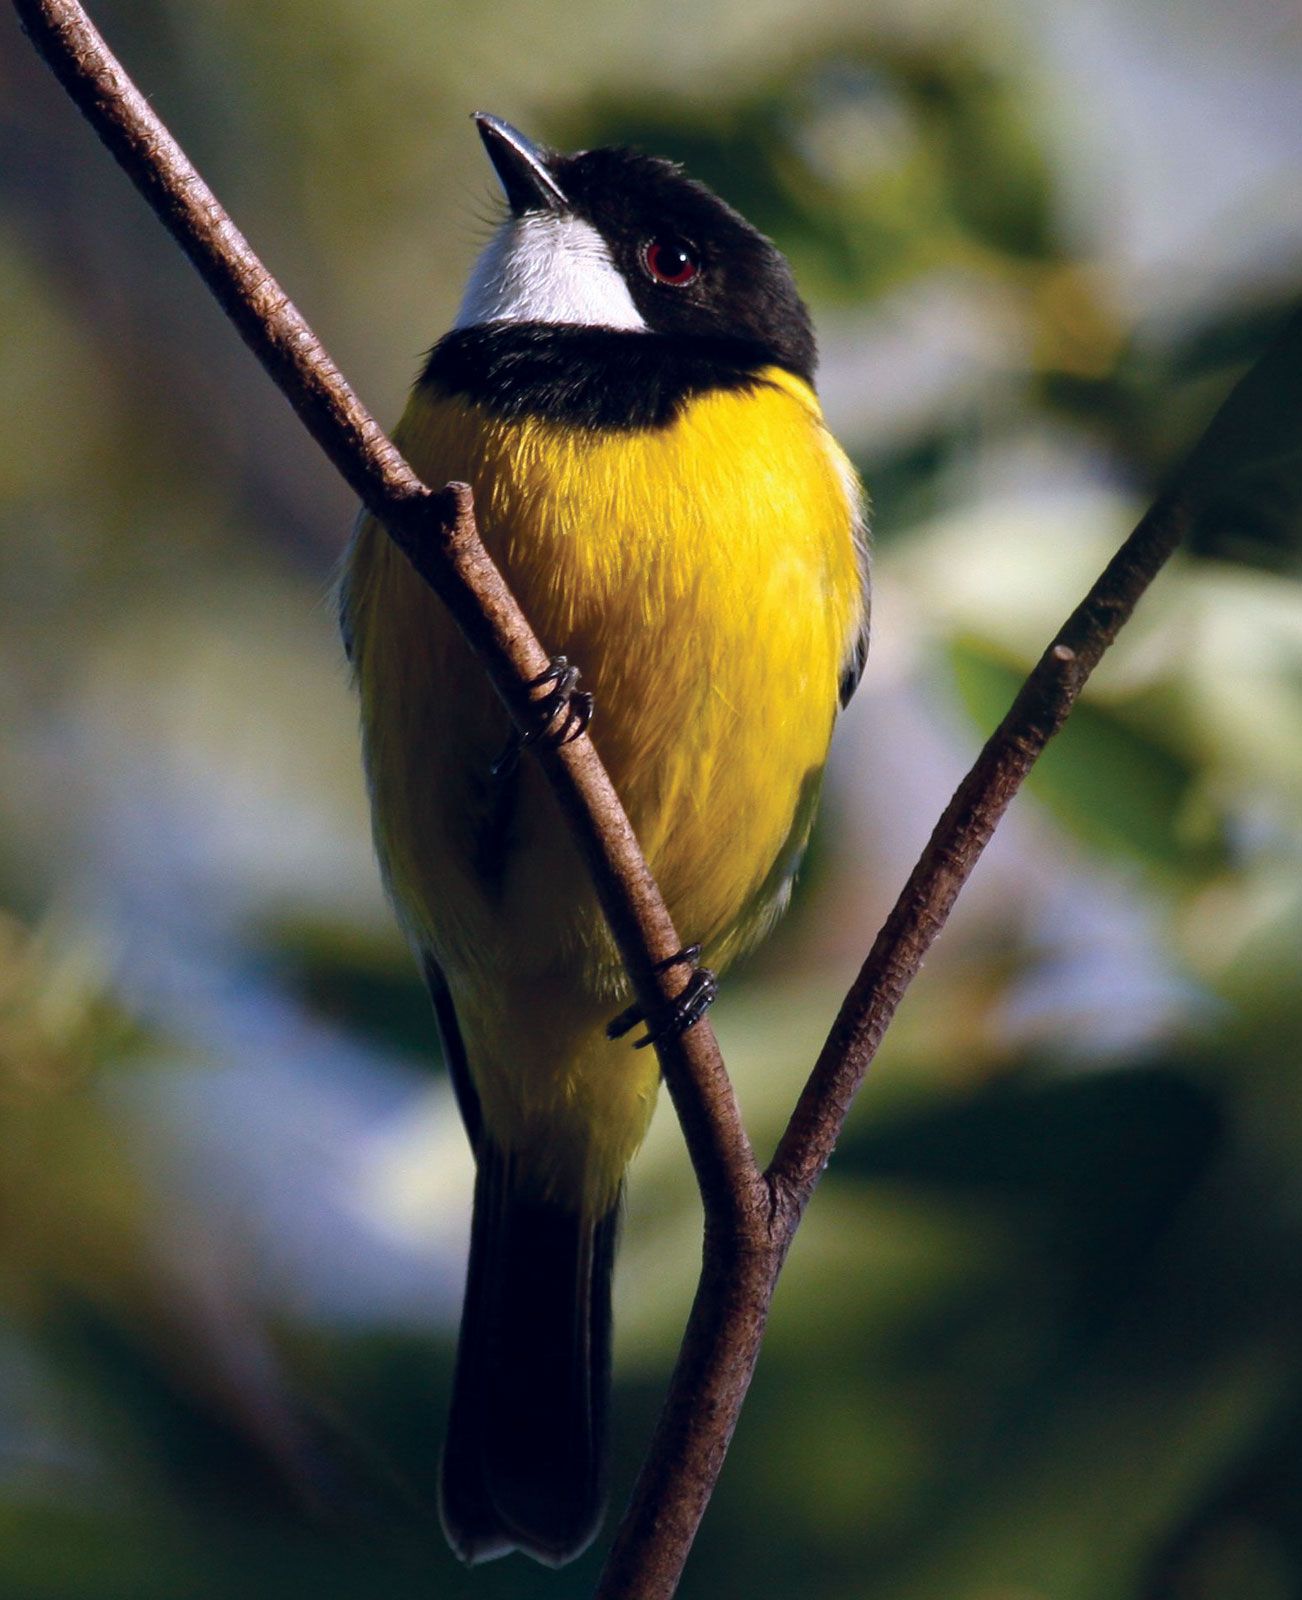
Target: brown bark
pixel 750 1216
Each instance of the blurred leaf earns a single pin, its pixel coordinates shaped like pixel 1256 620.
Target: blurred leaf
pixel 1245 1535
pixel 1037 1340
pixel 1107 1160
pixel 1142 1136
pixel 1245 473
pixel 364 981
pixel 869 162
pixel 1113 784
pixel 997 179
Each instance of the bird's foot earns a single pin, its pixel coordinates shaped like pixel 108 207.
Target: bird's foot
pixel 563 714
pixel 680 1014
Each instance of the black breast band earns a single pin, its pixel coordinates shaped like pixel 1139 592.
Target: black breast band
pixel 588 377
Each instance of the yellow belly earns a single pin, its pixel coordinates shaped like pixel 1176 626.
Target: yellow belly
pixel 704 578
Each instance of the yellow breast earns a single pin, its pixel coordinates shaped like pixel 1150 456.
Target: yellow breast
pixel 704 577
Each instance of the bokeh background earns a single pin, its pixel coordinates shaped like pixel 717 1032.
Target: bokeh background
pixel 1039 1339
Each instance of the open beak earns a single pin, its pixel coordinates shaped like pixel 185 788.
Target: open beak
pixel 520 165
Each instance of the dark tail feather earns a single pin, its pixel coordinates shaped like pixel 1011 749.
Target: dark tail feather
pixel 524 1464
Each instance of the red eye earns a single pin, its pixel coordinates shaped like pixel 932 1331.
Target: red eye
pixel 671 261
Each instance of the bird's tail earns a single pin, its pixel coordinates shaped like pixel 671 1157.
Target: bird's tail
pixel 524 1464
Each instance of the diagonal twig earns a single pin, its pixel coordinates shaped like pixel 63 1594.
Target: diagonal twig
pixel 436 531
pixel 727 1320
pixel 750 1217
pixel 1039 711
pixel 728 1317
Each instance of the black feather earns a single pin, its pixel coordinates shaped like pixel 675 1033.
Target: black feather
pixel 588 377
pixel 852 672
pixel 454 1050
pixel 524 1463
pixel 745 288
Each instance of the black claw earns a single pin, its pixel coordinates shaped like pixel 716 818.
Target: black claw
pixel 582 705
pixel 505 763
pixel 573 706
pixel 681 1014
pixel 629 1018
pixel 562 678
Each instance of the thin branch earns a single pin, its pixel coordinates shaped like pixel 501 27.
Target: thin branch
pixel 750 1218
pixel 437 533
pixel 1040 709
pixel 718 1356
pixel 711 1377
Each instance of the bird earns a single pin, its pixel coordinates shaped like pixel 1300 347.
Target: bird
pixel 628 388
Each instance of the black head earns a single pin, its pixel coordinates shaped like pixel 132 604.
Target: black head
pixel 612 237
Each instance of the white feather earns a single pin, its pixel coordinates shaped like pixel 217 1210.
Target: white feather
pixel 547 268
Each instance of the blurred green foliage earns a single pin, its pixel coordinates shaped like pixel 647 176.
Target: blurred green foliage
pixel 1152 818
pixel 1039 1339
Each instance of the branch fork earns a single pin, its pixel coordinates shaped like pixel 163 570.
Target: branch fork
pixel 751 1215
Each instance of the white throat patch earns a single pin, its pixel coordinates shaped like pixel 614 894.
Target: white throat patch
pixel 545 268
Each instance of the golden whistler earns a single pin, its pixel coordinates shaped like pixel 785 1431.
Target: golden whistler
pixel 629 391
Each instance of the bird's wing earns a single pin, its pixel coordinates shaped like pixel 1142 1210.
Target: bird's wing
pixel 454 1050
pixel 857 655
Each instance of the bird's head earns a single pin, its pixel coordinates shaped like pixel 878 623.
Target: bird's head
pixel 611 238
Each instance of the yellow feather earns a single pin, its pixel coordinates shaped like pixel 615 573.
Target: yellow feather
pixel 704 576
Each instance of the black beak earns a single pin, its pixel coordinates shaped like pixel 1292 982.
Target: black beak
pixel 521 167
